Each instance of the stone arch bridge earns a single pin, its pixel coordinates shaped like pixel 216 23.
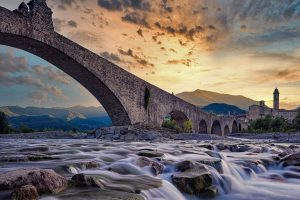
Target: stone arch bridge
pixel 126 98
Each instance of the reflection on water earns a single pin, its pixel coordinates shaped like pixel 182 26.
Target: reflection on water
pixel 239 171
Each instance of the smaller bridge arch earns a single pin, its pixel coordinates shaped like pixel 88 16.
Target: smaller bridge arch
pixel 203 127
pixel 216 128
pixel 235 128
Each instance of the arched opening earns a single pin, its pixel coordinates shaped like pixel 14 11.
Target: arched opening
pixel 235 128
pixel 226 130
pixel 178 121
pixel 240 127
pixel 62 56
pixel 203 127
pixel 47 99
pixel 216 128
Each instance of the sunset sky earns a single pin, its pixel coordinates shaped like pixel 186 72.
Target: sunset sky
pixel 240 47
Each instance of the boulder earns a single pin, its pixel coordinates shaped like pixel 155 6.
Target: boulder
pixel 45 180
pixel 291 159
pixel 193 181
pixel 150 153
pixel 82 180
pixel 156 167
pixel 26 192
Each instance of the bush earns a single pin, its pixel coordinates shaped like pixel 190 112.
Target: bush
pixel 269 124
pixel 171 124
pixel 296 122
pixel 4 128
pixel 25 129
pixel 188 126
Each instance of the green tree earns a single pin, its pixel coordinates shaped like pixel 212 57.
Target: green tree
pixel 4 128
pixel 25 129
pixel 188 126
pixel 296 122
pixel 279 124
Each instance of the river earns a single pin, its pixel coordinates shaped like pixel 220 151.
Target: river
pixel 238 169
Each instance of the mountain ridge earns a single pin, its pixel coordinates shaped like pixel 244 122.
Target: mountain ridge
pixel 203 98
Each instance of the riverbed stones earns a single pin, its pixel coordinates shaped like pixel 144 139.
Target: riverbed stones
pixel 150 153
pixel 82 180
pixel 292 159
pixel 156 167
pixel 26 192
pixel 193 181
pixel 45 180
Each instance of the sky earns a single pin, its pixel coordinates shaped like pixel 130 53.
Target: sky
pixel 239 47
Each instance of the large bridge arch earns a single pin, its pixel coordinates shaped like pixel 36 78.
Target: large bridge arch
pixel 96 87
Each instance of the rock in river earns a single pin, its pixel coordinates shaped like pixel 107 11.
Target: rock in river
pixel 292 159
pixel 45 180
pixel 193 181
pixel 26 192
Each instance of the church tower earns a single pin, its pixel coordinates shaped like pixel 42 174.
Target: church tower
pixel 276 99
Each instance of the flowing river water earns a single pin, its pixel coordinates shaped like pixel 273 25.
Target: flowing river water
pixel 238 169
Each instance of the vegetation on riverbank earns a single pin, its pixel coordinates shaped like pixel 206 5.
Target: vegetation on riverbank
pixel 187 126
pixel 277 124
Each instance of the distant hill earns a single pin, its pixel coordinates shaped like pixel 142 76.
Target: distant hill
pixel 223 109
pixel 203 98
pixel 80 117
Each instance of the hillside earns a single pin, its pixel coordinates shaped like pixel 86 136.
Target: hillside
pixel 79 117
pixel 223 109
pixel 203 98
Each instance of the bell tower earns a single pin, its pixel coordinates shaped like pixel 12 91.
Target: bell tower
pixel 276 99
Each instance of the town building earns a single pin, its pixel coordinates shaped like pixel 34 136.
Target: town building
pixel 261 110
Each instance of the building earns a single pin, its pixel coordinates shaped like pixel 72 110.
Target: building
pixel 261 110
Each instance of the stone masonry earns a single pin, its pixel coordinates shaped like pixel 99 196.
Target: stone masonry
pixel 126 98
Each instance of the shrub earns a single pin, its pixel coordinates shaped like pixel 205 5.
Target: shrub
pixel 296 122
pixel 188 126
pixel 4 128
pixel 25 129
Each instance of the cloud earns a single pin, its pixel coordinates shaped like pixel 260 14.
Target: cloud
pixel 58 24
pixel 83 36
pixel 110 56
pixel 118 5
pixel 141 60
pixel 16 71
pixel 51 75
pixel 11 63
pixel 186 62
pixel 140 32
pixel 72 23
pixel 64 4
pixel 136 18
pixel 112 5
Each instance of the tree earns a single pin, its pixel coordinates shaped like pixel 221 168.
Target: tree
pixel 187 126
pixel 296 121
pixel 4 128
pixel 25 129
pixel 279 124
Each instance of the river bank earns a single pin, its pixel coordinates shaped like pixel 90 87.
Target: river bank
pixel 157 134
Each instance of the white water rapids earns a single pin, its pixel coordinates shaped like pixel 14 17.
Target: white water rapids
pixel 253 173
